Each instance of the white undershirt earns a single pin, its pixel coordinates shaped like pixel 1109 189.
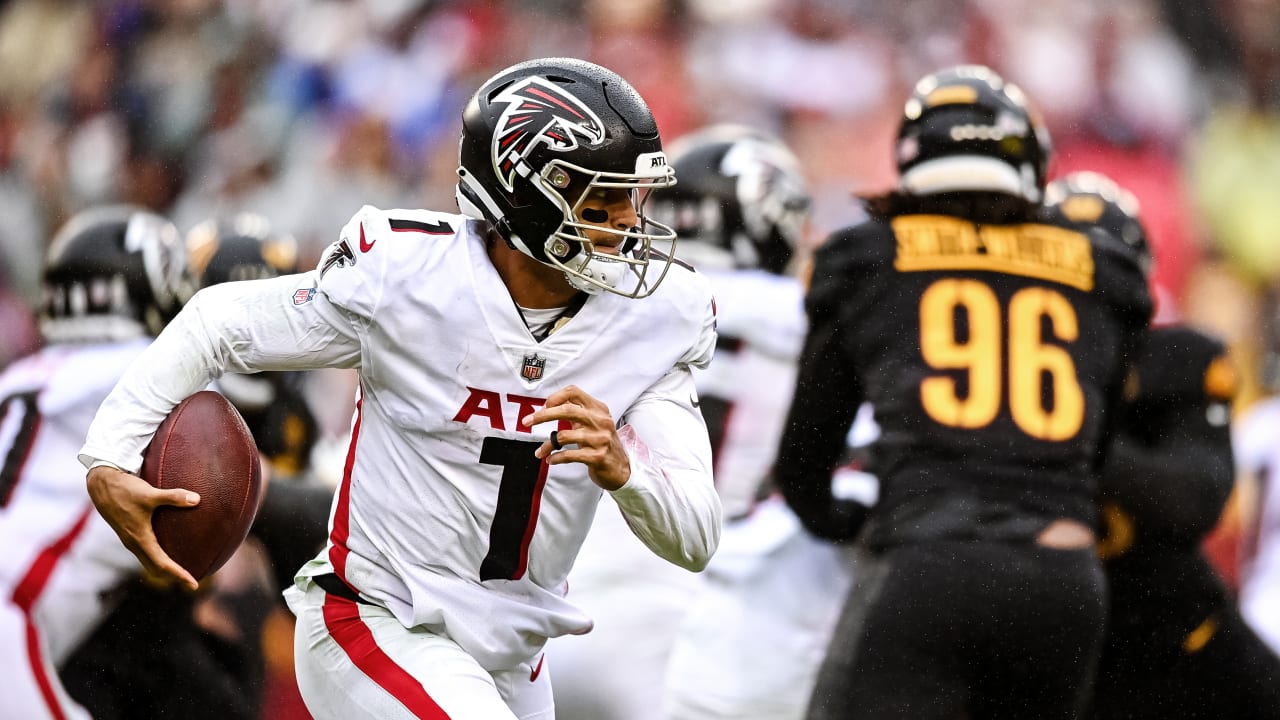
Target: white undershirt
pixel 540 320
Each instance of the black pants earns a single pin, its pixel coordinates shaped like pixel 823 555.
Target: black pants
pixel 966 630
pixel 149 660
pixel 1222 670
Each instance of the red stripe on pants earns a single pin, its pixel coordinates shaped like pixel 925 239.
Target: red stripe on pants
pixel 25 596
pixel 342 618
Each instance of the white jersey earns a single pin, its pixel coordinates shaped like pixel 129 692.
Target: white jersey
pixel 1256 441
pixel 640 605
pixel 745 392
pixel 443 514
pixel 60 557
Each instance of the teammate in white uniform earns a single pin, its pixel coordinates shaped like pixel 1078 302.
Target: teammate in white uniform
pixel 508 375
pixel 751 643
pixel 113 276
pixel 196 669
pixel 739 209
pixel 1258 458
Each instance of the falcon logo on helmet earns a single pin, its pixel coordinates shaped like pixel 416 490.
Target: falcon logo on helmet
pixel 539 113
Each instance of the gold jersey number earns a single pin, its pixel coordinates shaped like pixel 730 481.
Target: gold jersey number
pixel 979 356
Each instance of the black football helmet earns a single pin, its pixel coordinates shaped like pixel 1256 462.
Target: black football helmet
pixel 536 138
pixel 113 273
pixel 965 129
pixel 741 202
pixel 242 247
pixel 1089 199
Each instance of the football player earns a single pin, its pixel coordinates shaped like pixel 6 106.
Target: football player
pixel 193 667
pixel 738 211
pixel 750 643
pixel 113 277
pixel 1176 644
pixel 516 361
pixel 992 347
pixel 1258 459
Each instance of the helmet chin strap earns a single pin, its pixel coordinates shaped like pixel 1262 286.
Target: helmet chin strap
pixel 582 268
pixel 602 272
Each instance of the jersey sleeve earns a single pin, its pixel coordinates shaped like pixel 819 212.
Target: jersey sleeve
pixel 703 347
pixel 827 394
pixel 1122 283
pixel 352 271
pixel 276 324
pixel 670 501
pixel 1170 467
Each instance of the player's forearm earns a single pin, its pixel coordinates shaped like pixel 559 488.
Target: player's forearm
pixel 176 365
pixel 822 411
pixel 671 507
pixel 1176 489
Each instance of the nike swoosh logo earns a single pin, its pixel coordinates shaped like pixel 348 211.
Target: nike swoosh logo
pixel 365 246
pixel 537 670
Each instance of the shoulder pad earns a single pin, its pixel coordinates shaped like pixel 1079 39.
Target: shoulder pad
pixel 377 246
pixel 1182 362
pixel 689 294
pixel 841 263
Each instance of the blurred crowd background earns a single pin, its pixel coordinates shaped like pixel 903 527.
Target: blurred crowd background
pixel 304 110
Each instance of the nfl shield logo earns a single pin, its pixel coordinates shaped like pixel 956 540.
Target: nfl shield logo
pixel 532 370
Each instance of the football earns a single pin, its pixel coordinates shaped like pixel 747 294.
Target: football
pixel 204 446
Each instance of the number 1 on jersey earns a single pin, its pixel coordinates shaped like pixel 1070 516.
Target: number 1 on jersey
pixel 516 516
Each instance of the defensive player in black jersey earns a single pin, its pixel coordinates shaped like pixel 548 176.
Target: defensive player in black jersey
pixel 993 347
pixel 1176 645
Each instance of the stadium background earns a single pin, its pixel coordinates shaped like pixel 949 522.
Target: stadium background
pixel 303 110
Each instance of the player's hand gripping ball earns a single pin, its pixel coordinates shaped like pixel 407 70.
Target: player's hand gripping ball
pixel 204 446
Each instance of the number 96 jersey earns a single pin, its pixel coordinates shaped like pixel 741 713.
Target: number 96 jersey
pixel 992 354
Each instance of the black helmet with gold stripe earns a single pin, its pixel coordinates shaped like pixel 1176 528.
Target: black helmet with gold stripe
pixel 965 129
pixel 241 247
pixel 1090 199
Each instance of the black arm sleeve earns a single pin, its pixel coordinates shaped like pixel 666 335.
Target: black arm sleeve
pixel 822 410
pixel 1174 491
pixel 1170 466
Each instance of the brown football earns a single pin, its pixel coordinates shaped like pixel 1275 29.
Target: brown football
pixel 204 446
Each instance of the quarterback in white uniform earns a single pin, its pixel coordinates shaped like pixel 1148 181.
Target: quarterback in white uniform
pixel 508 374
pixel 109 270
